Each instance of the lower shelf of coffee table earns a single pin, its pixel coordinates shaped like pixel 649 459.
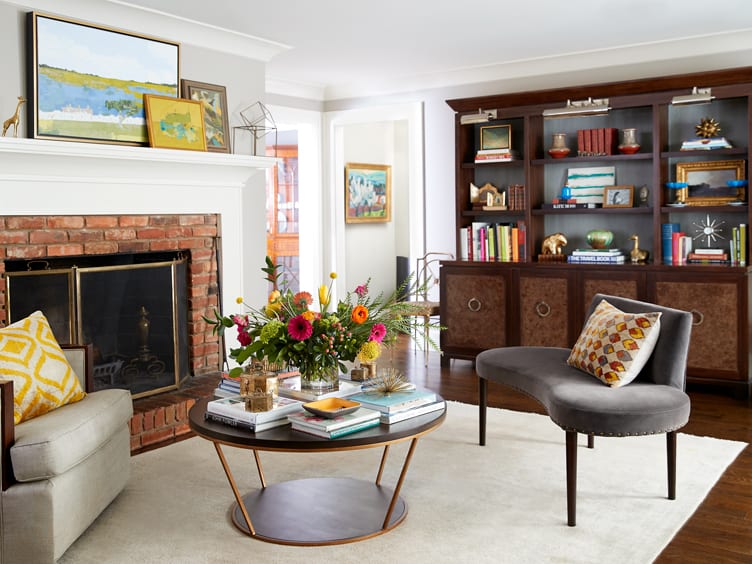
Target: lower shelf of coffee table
pixel 319 511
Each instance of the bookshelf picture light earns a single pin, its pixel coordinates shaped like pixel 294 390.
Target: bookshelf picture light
pixel 588 107
pixel 483 116
pixel 697 96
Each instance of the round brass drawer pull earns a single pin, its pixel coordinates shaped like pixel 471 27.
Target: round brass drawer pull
pixel 697 317
pixel 542 309
pixel 473 304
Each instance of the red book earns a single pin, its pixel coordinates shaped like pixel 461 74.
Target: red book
pixel 601 145
pixel 612 140
pixel 580 142
pixel 588 142
pixel 676 257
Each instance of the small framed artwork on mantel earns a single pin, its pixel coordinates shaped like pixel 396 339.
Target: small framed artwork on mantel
pixel 214 100
pixel 174 123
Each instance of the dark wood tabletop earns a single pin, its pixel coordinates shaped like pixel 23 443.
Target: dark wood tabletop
pixel 286 439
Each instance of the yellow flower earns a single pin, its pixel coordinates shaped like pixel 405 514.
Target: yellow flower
pixel 324 296
pixel 309 315
pixel 332 275
pixel 369 351
pixel 272 309
pixel 274 296
pixel 239 300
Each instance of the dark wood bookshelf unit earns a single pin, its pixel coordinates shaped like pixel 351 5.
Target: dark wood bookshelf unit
pixel 491 303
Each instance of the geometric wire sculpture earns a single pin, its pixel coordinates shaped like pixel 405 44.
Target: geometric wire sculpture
pixel 258 120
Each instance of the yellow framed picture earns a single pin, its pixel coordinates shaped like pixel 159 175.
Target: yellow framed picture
pixel 368 193
pixel 174 123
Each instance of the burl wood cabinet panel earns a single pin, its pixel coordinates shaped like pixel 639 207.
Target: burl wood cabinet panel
pixel 473 310
pixel 716 309
pixel 544 311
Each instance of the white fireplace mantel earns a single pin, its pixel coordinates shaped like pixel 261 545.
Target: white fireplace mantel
pixel 43 177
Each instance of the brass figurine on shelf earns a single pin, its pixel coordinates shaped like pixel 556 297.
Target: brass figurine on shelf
pixel 637 255
pixel 707 128
pixel 14 119
pixel 553 244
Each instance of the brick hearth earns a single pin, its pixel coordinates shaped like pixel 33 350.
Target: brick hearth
pixel 163 418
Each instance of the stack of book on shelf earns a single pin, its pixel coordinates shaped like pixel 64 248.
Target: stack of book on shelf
pixel 399 406
pixel 516 197
pixel 681 247
pixel 597 142
pixel 231 411
pixel 738 245
pixel 484 241
pixel 603 256
pixel 333 427
pixel 708 256
pixel 705 144
pixel 495 155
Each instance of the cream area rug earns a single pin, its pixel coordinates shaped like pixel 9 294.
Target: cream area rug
pixel 504 502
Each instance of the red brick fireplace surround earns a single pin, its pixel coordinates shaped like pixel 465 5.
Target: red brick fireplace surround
pixel 38 237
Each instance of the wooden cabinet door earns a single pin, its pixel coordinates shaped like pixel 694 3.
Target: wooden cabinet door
pixel 544 314
pixel 719 334
pixel 622 283
pixel 473 310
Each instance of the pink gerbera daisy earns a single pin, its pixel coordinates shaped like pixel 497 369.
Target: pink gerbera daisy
pixel 299 328
pixel 378 332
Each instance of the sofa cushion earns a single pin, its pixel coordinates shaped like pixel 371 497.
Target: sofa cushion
pixel 614 345
pixel 43 379
pixel 50 445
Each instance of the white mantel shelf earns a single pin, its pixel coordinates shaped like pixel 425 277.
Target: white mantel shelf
pixel 64 161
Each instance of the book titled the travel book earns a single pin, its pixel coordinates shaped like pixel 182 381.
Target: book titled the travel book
pixel 397 416
pixel 358 420
pixel 394 401
pixel 234 407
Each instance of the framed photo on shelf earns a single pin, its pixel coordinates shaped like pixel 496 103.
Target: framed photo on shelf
pixel 368 193
pixel 87 82
pixel 174 123
pixel 707 182
pixel 620 196
pixel 216 123
pixel 495 137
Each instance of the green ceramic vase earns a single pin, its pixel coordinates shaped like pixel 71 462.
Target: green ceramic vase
pixel 599 238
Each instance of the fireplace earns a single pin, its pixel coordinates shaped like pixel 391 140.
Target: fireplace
pixel 131 307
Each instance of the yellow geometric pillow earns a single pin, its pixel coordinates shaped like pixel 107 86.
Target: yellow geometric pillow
pixel 614 345
pixel 42 378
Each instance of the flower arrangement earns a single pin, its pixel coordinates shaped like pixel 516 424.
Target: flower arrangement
pixel 287 329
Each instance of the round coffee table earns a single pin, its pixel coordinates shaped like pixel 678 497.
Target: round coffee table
pixel 320 510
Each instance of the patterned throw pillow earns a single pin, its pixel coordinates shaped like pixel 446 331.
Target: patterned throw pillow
pixel 42 378
pixel 614 345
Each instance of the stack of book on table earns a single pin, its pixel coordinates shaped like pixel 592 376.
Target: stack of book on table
pixel 602 256
pixel 708 256
pixel 333 427
pixel 399 406
pixel 231 411
pixel 230 385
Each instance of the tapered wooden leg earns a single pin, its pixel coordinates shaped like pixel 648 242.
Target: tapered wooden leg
pixel 671 459
pixel 482 405
pixel 591 441
pixel 571 478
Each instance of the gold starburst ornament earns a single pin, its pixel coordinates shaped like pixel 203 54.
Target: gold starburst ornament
pixel 707 128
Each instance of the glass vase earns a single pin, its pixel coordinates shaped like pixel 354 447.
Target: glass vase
pixel 319 380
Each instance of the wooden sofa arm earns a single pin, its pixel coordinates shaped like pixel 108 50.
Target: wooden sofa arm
pixel 7 432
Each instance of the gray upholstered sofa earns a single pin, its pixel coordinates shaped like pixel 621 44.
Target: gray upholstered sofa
pixel 61 469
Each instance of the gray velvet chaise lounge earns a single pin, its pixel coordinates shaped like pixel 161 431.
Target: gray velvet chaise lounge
pixel 578 402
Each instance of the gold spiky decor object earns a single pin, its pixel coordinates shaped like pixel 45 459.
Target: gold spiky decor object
pixel 390 380
pixel 707 128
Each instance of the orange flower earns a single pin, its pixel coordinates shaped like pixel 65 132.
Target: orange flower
pixel 359 314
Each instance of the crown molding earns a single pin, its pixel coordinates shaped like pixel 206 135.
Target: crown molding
pixel 122 15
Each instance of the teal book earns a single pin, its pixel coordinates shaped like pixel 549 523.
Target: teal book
pixel 395 401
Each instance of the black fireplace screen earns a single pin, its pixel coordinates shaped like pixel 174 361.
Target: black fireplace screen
pixel 134 314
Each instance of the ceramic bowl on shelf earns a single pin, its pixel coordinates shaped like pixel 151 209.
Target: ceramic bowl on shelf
pixel 628 149
pixel 599 238
pixel 558 153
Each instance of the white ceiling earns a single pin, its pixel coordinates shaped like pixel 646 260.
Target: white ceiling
pixel 356 48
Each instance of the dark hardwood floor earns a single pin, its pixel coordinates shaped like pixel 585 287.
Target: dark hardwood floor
pixel 721 528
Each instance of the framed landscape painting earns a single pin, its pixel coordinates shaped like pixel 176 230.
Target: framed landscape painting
pixel 87 83
pixel 174 123
pixel 214 100
pixel 368 192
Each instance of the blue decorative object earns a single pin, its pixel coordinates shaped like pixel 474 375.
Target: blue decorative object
pixel 566 192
